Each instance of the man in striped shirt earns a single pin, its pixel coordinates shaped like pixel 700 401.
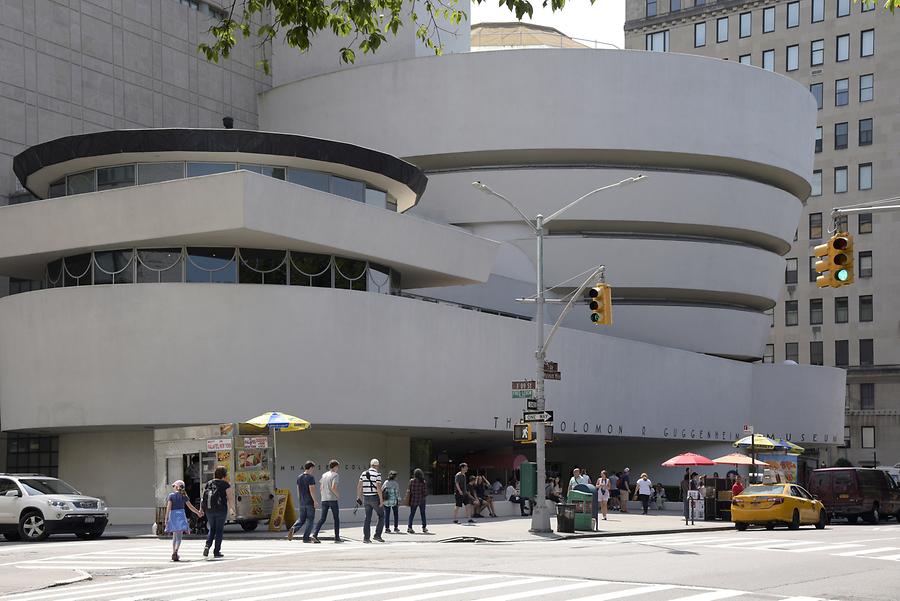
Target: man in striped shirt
pixel 368 493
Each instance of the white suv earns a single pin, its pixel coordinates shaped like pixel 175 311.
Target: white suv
pixel 33 506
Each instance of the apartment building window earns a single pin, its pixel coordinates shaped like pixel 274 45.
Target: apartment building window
pixel 841 131
pixel 699 34
pixel 816 53
pixel 847 441
pixel 867 6
pixel 769 354
pixel 841 353
pixel 840 180
pixel 866 352
pixel 815 311
pixel 792 58
pixel 19 285
pixel 865 223
pixel 865 132
pixel 769 19
pixel 651 8
pixel 866 87
pixel 867 42
pixel 816 353
pixel 813 274
pixel 841 310
pixel 865 176
pixel 658 41
pixel 746 21
pixel 841 92
pixel 816 183
pixel 790 271
pixel 768 60
pixel 865 264
pixel 790 313
pixel 842 52
pixel 816 90
pixel 722 29
pixel 792 352
pixel 819 139
pixel 843 8
pixel 771 314
pixel 867 396
pixel 868 437
pixel 699 2
pixel 818 10
pixel 793 14
pixel 745 59
pixel 815 226
pixel 674 5
pixel 841 225
pixel 865 308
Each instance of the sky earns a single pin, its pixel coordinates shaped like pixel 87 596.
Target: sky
pixel 603 21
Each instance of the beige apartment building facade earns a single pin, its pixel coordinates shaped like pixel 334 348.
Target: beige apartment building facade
pixel 841 50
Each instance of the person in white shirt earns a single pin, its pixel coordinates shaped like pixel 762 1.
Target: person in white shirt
pixel 644 488
pixel 578 478
pixel 512 495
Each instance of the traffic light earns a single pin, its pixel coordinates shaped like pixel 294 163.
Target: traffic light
pixel 522 433
pixel 836 261
pixel 601 304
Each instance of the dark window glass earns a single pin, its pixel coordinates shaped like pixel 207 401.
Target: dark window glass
pixel 769 354
pixel 262 266
pixel 790 271
pixel 790 313
pixel 841 92
pixel 114 267
pixel 54 274
pixel 348 188
pixel 308 269
pixel 158 265
pixel 841 131
pixel 866 352
pixel 57 189
pixel 865 264
pixel 19 285
pixel 865 223
pixel 866 87
pixel 793 14
pixel 150 173
pixel 349 274
pixel 379 279
pixel 818 147
pixel 815 311
pixel 28 453
pixel 865 308
pixel 376 198
pixel 792 352
pixel 80 183
pixel 198 169
pixel 77 270
pixel 841 310
pixel 865 132
pixel 115 177
pixel 813 274
pixel 816 353
pixel 211 265
pixel 867 396
pixel 841 353
pixel 276 172
pixel 310 179
pixel 816 90
pixel 815 226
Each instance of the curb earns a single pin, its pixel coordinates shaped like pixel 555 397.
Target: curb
pixel 643 532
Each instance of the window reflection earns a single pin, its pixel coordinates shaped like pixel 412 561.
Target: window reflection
pixel 150 173
pixel 159 265
pixel 77 270
pixel 113 267
pixel 198 169
pixel 310 179
pixel 348 188
pixel 211 265
pixel 80 183
pixel 109 178
pixel 263 266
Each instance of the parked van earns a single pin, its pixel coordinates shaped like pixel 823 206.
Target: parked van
pixel 854 492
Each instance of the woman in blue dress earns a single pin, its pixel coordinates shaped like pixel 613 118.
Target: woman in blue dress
pixel 176 520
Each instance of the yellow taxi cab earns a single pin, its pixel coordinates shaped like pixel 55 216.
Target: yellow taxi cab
pixel 773 504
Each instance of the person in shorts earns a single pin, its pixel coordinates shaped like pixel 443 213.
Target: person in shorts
pixel 603 492
pixel 624 490
pixel 461 495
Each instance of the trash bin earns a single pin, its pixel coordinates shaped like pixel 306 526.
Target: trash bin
pixel 584 498
pixel 565 517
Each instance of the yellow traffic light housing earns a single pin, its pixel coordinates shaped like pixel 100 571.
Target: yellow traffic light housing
pixel 836 261
pixel 522 433
pixel 601 304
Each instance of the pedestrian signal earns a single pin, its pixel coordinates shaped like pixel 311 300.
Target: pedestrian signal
pixel 522 433
pixel 835 264
pixel 601 304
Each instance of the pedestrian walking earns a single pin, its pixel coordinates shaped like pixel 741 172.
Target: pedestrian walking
pixel 461 495
pixel 369 495
pixel 306 512
pixel 614 492
pixel 643 489
pixel 390 490
pixel 603 492
pixel 176 520
pixel 416 493
pixel 218 504
pixel 483 490
pixel 328 493
pixel 685 487
pixel 624 489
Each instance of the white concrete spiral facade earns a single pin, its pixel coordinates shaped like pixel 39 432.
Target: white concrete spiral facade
pixel 726 171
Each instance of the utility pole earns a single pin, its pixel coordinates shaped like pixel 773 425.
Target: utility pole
pixel 540 517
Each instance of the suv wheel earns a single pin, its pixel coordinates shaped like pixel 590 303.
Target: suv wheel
pixel 874 516
pixel 32 527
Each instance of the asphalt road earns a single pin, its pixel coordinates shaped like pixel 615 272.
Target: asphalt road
pixel 842 562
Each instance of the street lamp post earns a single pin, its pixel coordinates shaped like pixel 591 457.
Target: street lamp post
pixel 540 518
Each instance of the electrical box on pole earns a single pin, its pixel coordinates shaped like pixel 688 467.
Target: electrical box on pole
pixel 528 480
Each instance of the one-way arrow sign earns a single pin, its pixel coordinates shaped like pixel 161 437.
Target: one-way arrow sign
pixel 537 416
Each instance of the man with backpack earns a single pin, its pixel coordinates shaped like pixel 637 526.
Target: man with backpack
pixel 217 504
pixel 368 494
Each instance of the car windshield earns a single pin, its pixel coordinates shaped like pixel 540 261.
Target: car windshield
pixel 764 489
pixel 46 486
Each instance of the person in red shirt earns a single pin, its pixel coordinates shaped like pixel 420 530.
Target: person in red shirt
pixel 737 488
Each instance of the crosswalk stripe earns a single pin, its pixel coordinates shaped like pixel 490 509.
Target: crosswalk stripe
pixel 49 595
pixel 823 548
pixel 389 580
pixel 889 557
pixel 778 546
pixel 542 591
pixel 470 589
pixel 746 543
pixel 346 579
pixel 804 599
pixel 172 585
pixel 864 551
pixel 711 596
pixel 633 592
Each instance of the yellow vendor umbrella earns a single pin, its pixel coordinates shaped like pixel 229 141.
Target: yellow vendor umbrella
pixel 275 420
pixel 738 459
pixel 760 442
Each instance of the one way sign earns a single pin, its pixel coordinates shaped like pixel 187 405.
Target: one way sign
pixel 537 416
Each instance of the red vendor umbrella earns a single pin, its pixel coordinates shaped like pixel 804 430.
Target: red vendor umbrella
pixel 687 459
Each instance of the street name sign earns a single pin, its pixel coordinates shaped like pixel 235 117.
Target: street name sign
pixel 523 394
pixel 537 416
pixel 524 385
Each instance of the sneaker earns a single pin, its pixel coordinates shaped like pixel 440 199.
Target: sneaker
pixel 205 551
pixel 316 540
pixel 396 530
pixel 218 555
pixel 174 556
pixel 291 534
pixel 338 540
pixel 307 540
pixel 410 531
pixel 455 521
pixel 471 521
pixel 378 538
pixel 365 540
pixel 425 530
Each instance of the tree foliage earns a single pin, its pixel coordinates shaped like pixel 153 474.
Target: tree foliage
pixel 842 462
pixel 364 23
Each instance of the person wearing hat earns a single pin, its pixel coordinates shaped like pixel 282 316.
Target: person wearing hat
pixel 176 520
pixel 624 490
pixel 643 489
pixel 390 490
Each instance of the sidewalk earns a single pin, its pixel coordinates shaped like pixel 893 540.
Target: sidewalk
pixel 17 580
